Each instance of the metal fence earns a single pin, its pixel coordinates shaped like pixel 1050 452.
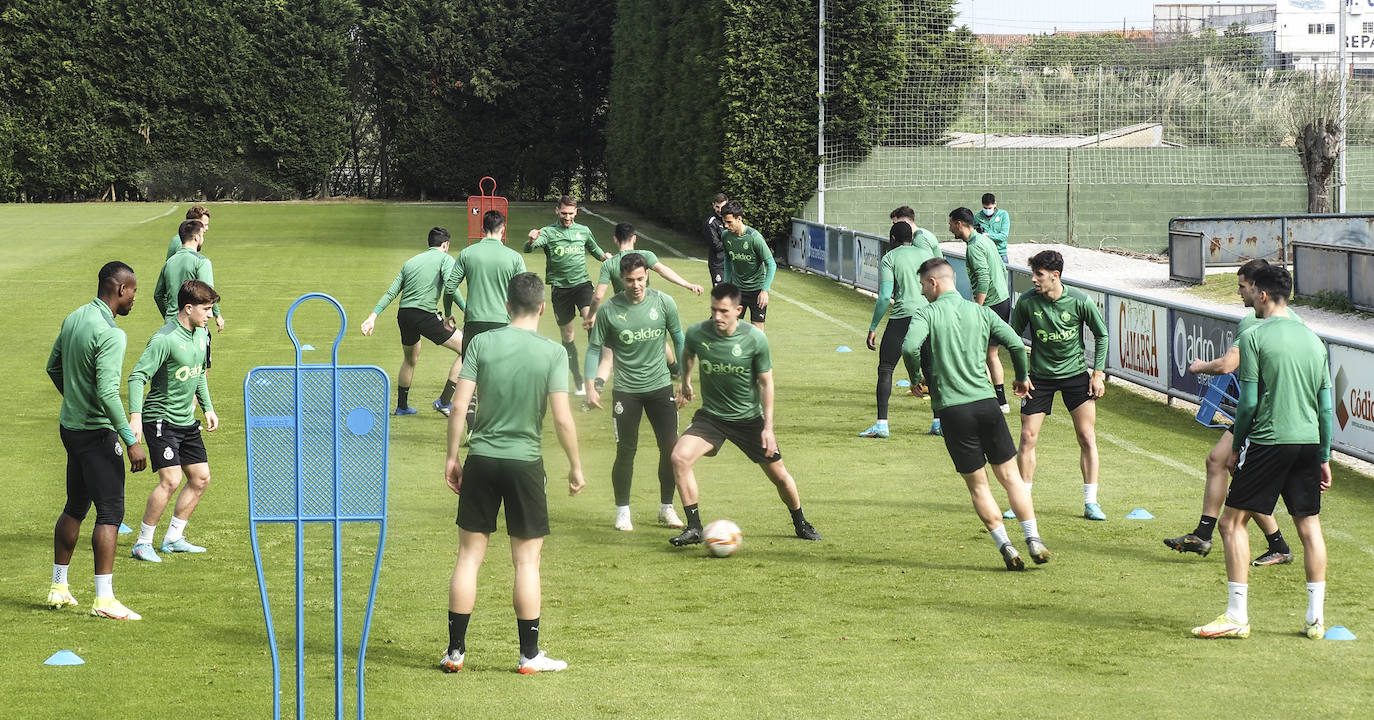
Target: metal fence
pixel 1152 341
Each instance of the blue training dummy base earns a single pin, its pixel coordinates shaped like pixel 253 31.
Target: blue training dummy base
pixel 317 453
pixel 1218 398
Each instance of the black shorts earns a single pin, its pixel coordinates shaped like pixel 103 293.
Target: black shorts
pixel 1003 310
pixel 975 432
pixel 95 474
pixel 170 445
pixel 747 435
pixel 488 482
pixel 750 300
pixel 1270 471
pixel 415 322
pixel 568 302
pixel 208 337
pixel 1075 390
pixel 473 329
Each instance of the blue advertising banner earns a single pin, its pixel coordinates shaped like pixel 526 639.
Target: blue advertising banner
pixel 1195 337
pixel 815 254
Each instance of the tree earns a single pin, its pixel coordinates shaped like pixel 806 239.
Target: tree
pixel 1314 119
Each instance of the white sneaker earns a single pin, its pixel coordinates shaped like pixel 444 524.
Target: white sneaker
pixel 668 516
pixel 540 663
pixel 113 609
pixel 622 519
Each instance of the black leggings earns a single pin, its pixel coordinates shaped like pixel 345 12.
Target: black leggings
pixel 890 353
pixel 625 412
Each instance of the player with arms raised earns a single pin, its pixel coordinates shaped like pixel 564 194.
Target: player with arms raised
pixel 564 243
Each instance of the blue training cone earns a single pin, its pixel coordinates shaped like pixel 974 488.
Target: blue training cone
pixel 1140 514
pixel 1338 632
pixel 903 383
pixel 67 657
pixel 125 529
pixel 843 348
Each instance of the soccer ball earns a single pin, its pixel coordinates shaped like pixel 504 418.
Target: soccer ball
pixel 723 538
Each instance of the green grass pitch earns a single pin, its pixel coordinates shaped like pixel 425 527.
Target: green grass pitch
pixel 903 610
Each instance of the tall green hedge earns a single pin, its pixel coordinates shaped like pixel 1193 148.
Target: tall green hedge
pixel 721 96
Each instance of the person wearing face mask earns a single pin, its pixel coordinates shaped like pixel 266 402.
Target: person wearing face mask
pixel 995 223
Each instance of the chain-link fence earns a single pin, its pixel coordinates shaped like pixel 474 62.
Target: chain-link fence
pixel 1097 139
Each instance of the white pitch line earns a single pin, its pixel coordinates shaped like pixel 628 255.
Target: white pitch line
pixel 163 215
pixel 1347 537
pixel 1131 447
pixel 771 293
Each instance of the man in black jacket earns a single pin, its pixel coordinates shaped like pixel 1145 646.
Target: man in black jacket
pixel 715 258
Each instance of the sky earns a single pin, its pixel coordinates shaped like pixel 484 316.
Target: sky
pixel 1037 16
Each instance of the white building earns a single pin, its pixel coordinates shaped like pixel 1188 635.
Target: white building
pixel 1307 33
pixel 1293 34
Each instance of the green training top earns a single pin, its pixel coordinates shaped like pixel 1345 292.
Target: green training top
pixel 86 362
pixel 488 266
pixel 1288 361
pixel 900 280
pixel 749 263
pixel 635 332
pixel 1056 333
pixel 730 367
pixel 173 366
pixel 610 270
pixel 959 331
pixel 996 228
pixel 564 247
pixel 185 264
pixel 420 282
pixel 515 370
pixel 1250 321
pixel 173 247
pixel 986 272
pixel 925 240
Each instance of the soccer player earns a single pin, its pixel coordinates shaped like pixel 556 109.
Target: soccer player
pixel 187 263
pixel 1218 477
pixel 995 223
pixel 563 243
pixel 715 249
pixel 517 372
pixel 197 213
pixel 899 285
pixel 629 334
pixel 749 263
pixel 86 362
pixel 736 405
pixel 1056 316
pixel 975 431
pixel 1289 429
pixel 625 238
pixel 987 276
pixel 172 367
pixel 420 283
pixel 487 266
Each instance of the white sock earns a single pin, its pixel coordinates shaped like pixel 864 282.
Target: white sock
pixel 1235 602
pixel 175 528
pixel 145 534
pixel 999 536
pixel 104 586
pixel 882 422
pixel 59 574
pixel 1090 494
pixel 1028 487
pixel 1028 527
pixel 1316 600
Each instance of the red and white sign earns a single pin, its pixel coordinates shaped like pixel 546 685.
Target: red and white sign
pixel 1352 394
pixel 1139 346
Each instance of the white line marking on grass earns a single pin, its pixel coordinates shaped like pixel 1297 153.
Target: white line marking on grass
pixel 1131 447
pixel 163 215
pixel 1347 537
pixel 771 293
